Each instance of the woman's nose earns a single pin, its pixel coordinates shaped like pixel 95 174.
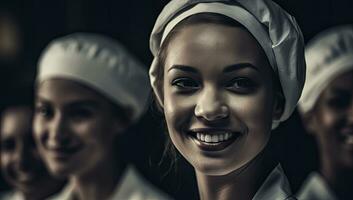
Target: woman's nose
pixel 58 129
pixel 211 106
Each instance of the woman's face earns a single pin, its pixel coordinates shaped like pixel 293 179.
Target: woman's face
pixel 333 121
pixel 218 97
pixel 74 126
pixel 20 162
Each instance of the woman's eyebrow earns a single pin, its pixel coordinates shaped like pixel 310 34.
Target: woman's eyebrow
pixel 42 100
pixel 238 66
pixel 184 68
pixel 341 91
pixel 84 103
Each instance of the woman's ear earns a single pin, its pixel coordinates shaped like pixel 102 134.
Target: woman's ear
pixel 278 106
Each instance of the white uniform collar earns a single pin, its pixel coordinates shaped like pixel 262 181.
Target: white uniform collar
pixel 275 187
pixel 12 195
pixel 315 188
pixel 132 186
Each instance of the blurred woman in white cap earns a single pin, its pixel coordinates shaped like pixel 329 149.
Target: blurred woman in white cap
pixel 225 73
pixel 326 107
pixel 89 90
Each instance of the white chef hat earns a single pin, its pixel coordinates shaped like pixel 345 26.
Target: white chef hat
pixel 328 55
pixel 100 63
pixel 276 31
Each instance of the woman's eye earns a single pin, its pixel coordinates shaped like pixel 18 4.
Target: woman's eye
pixel 340 102
pixel 44 111
pixel 241 85
pixel 186 84
pixel 8 145
pixel 79 114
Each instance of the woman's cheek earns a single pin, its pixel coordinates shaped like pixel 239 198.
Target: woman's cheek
pixel 37 126
pixel 39 131
pixel 174 109
pixel 255 111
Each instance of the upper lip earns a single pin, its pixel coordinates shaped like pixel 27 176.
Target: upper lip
pixel 212 130
pixel 26 177
pixel 64 149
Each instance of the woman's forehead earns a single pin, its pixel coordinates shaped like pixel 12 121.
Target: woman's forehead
pixel 342 84
pixel 65 90
pixel 214 44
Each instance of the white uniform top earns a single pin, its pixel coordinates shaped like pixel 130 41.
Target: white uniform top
pixel 12 195
pixel 132 186
pixel 275 187
pixel 315 188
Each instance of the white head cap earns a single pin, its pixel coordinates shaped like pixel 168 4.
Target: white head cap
pixel 328 55
pixel 100 63
pixel 276 31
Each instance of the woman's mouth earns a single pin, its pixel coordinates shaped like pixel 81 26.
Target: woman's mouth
pixel 25 177
pixel 63 153
pixel 212 139
pixel 347 136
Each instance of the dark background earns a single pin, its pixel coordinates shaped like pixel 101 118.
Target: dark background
pixel 36 22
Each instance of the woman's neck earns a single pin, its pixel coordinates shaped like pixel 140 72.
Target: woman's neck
pixel 100 182
pixel 241 184
pixel 41 194
pixel 51 188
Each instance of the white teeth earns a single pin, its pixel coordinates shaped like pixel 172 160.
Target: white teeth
pixel 208 138
pixel 219 137
pixel 215 138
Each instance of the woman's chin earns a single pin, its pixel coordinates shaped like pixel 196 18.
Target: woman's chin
pixel 217 168
pixel 60 170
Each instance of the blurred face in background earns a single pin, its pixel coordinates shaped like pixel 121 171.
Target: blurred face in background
pixel 21 165
pixel 74 127
pixel 331 121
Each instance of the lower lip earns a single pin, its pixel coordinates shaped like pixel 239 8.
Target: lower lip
pixel 213 146
pixel 26 180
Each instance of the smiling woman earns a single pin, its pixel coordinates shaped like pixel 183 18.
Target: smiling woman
pixel 326 107
pixel 89 91
pixel 224 79
pixel 224 90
